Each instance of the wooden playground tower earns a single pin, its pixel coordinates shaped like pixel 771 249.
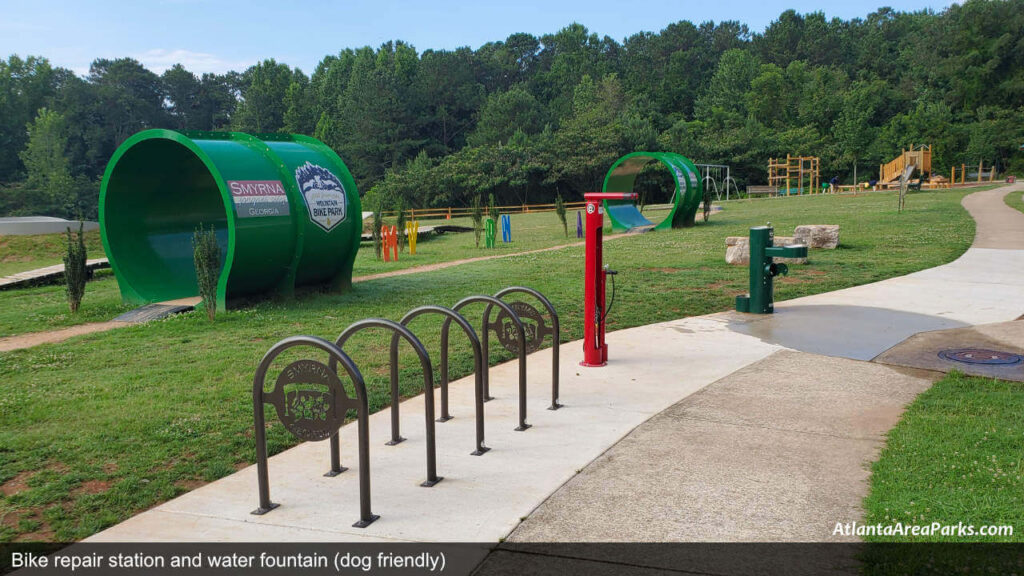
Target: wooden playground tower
pixel 920 157
pixel 798 170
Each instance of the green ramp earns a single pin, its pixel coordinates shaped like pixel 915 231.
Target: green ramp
pixel 284 207
pixel 688 194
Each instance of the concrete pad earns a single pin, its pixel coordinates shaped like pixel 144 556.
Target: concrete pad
pixel 778 451
pixel 848 331
pixel 922 350
pixel 482 498
pixel 984 285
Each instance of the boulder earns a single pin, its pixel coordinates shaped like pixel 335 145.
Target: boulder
pixel 737 250
pixel 822 236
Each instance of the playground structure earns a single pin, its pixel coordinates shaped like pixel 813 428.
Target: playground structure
pixel 795 175
pixel 686 199
pixel 311 401
pixel 980 176
pixel 280 206
pixel 717 179
pixel 916 159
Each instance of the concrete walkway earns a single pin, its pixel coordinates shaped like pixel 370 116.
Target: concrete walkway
pixel 46 275
pixel 776 449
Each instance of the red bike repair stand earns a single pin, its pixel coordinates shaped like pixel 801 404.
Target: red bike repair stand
pixel 595 351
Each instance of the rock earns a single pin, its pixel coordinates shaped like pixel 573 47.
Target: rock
pixel 737 250
pixel 823 236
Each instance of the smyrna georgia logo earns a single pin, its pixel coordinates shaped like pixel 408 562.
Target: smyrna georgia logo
pixel 325 196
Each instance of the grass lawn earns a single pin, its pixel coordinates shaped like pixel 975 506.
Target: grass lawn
pixel 105 425
pixel 1015 200
pixel 21 253
pixel 954 457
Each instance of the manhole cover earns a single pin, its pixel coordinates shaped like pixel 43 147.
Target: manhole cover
pixel 980 356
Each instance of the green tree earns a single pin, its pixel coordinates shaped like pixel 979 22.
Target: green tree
pixel 298 113
pixel 182 89
pixel 503 114
pixel 46 163
pixel 265 97
pixel 25 86
pixel 129 98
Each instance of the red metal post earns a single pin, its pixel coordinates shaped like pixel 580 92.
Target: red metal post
pixel 595 351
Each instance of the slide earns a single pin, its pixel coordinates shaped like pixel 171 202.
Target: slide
pixel 624 214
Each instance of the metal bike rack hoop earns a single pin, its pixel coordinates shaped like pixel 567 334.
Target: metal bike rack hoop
pixel 428 386
pixel 314 414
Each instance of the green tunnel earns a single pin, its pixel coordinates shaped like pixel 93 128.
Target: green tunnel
pixel 686 199
pixel 285 209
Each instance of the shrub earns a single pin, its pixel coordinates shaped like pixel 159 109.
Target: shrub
pixel 400 222
pixel 378 223
pixel 492 208
pixel 74 267
pixel 560 210
pixel 477 214
pixel 206 256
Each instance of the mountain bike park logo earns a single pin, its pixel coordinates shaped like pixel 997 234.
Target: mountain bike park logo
pixel 324 195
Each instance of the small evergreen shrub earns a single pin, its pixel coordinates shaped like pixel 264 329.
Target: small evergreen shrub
pixel 75 273
pixel 560 210
pixel 206 256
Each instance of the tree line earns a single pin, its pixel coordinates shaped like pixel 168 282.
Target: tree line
pixel 530 118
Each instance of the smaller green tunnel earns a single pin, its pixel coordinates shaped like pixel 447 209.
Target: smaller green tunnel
pixel 285 209
pixel 686 198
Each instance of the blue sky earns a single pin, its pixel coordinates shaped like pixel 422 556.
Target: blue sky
pixel 221 35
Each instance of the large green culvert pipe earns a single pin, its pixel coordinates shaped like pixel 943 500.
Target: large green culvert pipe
pixel 284 207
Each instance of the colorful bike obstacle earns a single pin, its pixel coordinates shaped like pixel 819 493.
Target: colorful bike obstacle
pixel 311 402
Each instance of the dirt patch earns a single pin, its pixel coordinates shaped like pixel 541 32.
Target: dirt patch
pixel 91 487
pixel 41 534
pixel 110 468
pixel 11 258
pixel 42 531
pixel 58 467
pixel 189 485
pixel 36 338
pixel 17 484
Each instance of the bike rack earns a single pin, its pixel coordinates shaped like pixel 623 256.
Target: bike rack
pixel 311 401
pixel 315 423
pixel 428 387
pixel 534 344
pixel 478 367
pixel 521 338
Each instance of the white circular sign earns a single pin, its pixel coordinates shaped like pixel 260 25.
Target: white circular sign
pixel 590 208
